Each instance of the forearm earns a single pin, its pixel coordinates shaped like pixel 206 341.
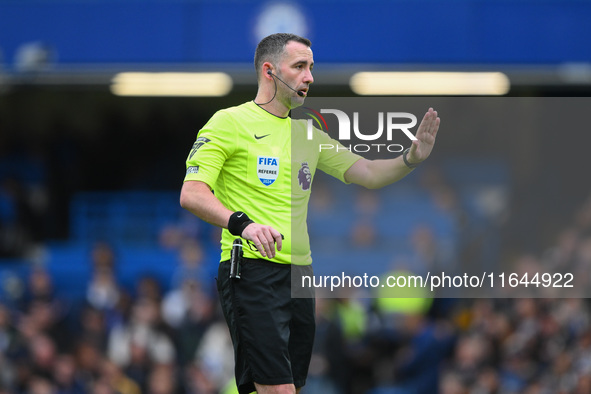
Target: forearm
pixel 386 172
pixel 375 174
pixel 197 198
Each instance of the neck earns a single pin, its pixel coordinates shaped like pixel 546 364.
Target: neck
pixel 268 100
pixel 273 109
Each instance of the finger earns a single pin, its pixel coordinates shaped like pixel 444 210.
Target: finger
pixel 426 122
pixel 434 123
pixel 259 245
pixel 429 124
pixel 278 238
pixel 260 241
pixel 436 127
pixel 268 243
pixel 433 127
pixel 251 233
pixel 427 117
pixel 269 249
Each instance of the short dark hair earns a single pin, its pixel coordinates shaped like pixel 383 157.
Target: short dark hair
pixel 272 47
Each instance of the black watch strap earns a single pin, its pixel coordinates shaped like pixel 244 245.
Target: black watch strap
pixel 408 164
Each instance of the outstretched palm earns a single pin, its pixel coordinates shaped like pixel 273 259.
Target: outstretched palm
pixel 421 148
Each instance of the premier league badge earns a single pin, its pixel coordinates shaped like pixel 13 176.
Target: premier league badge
pixel 267 169
pixel 305 176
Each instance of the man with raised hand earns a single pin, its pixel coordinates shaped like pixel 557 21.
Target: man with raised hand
pixel 262 189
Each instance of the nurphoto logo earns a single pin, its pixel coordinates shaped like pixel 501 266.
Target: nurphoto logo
pixel 389 123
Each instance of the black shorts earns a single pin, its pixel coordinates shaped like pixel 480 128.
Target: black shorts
pixel 272 332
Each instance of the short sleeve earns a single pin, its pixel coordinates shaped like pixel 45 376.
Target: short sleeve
pixel 215 142
pixel 337 160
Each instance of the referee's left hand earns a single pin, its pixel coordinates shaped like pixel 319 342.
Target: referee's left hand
pixel 421 148
pixel 264 238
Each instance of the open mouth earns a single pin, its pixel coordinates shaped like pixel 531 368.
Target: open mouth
pixel 302 92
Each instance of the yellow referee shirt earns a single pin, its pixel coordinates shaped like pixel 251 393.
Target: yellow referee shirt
pixel 264 165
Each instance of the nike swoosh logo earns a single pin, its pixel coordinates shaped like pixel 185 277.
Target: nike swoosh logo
pixel 262 136
pixel 240 215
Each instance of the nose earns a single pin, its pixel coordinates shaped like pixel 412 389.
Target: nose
pixel 308 78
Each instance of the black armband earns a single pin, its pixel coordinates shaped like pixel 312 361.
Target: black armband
pixel 238 222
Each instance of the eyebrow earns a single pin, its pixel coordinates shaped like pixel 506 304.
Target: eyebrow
pixel 302 62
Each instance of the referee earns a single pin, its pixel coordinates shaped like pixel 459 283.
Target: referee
pixel 262 187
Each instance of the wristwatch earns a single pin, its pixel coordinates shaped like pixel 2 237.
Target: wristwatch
pixel 408 164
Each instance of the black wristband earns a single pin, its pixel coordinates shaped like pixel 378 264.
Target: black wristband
pixel 238 222
pixel 408 164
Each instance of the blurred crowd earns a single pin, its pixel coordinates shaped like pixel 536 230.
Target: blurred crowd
pixel 115 340
pixel 171 338
pixel 149 341
pixel 525 345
